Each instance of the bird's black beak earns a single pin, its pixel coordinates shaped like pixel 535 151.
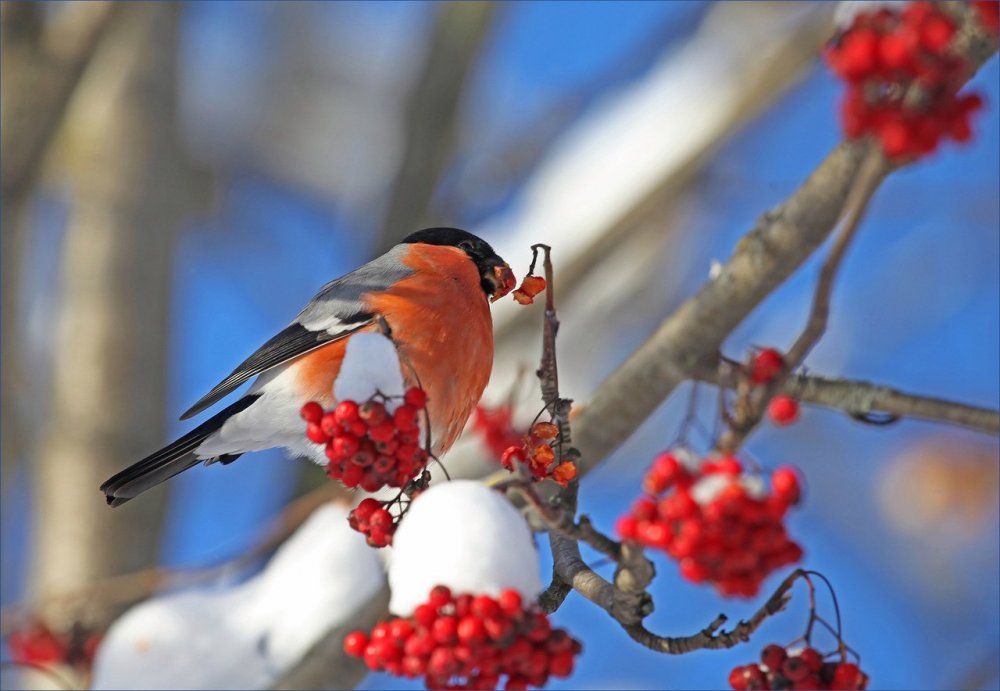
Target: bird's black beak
pixel 498 279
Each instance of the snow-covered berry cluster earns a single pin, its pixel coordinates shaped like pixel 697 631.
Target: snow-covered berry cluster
pixel 38 645
pixel 529 288
pixel 537 454
pixel 469 642
pixel 496 425
pixel 796 669
pixel 903 79
pixel 719 522
pixel 766 364
pixel 367 445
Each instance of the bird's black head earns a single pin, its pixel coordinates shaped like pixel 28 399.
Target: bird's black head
pixel 495 276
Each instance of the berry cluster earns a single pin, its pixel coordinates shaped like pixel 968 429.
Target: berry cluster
pixel 469 642
pixel 803 669
pixel 37 645
pixel 367 446
pixel 537 454
pixel 497 427
pixel 372 519
pixel 717 521
pixel 903 79
pixel 765 366
pixel 529 288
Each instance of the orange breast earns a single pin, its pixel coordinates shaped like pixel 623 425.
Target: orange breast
pixel 441 324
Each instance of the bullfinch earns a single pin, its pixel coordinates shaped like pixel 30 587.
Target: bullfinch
pixel 431 292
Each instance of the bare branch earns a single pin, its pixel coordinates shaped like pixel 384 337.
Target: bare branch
pixel 861 398
pixel 38 86
pixel 626 608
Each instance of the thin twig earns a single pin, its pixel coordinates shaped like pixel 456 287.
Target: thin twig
pixel 752 403
pixel 873 170
pixel 710 637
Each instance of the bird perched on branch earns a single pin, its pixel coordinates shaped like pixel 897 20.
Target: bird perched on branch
pixel 432 291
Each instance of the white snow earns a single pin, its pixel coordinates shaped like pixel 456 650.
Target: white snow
pixel 845 13
pixel 708 488
pixel 244 636
pixel 370 364
pixel 466 536
pixel 687 458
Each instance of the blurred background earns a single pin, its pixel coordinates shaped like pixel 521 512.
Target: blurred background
pixel 178 179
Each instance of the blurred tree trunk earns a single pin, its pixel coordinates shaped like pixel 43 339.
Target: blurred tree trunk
pixel 456 41
pixel 131 190
pixel 44 58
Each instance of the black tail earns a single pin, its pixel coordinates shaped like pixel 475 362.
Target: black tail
pixel 170 460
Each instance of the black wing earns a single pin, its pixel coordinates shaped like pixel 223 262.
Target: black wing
pixel 294 341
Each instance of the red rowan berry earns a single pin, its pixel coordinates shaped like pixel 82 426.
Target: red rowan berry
pixel 471 630
pixel 812 658
pixel 372 413
pixel 315 433
pixel 355 643
pixel 783 410
pixel 415 397
pixel 440 596
pixel 564 473
pixel 405 417
pixel 738 679
pixel 773 656
pixel 512 455
pixel 848 676
pixel 545 430
pixel 311 412
pixel 785 483
pixel 766 365
pixel 510 602
pixel 346 412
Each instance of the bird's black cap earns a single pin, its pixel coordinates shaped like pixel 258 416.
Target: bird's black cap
pixel 478 250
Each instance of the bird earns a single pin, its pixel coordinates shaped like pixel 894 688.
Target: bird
pixel 431 293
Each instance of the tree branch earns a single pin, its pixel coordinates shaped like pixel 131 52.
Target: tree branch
pixel 753 403
pixel 38 86
pixel 781 241
pixel 710 637
pixel 862 398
